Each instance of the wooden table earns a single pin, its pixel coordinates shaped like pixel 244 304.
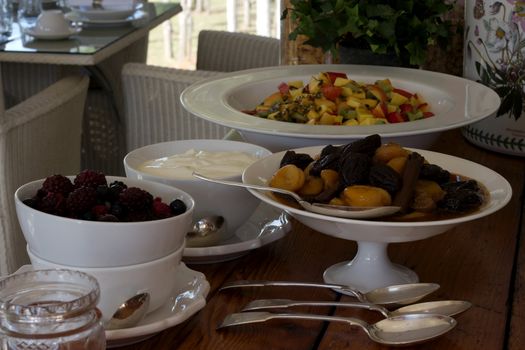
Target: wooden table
pixel 481 261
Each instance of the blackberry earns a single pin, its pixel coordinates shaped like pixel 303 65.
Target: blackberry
pixel 134 199
pixel 141 215
pixel 53 203
pixel 90 178
pixel 117 210
pixel 58 184
pixel 177 207
pixel 81 200
pixel 114 190
pixel 32 202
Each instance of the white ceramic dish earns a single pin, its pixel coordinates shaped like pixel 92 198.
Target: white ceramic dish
pixel 234 204
pixel 455 101
pixel 371 267
pixel 187 298
pixel 108 12
pixel 79 18
pixel 84 243
pixel 266 225
pixel 118 284
pixel 43 35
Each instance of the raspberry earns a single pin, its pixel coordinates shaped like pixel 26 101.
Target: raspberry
pixel 81 200
pixel 53 203
pixel 99 210
pixel 58 184
pixel 135 199
pixel 161 210
pixel 90 178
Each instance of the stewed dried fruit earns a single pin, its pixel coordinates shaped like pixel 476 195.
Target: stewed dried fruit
pixel 89 197
pixel 366 173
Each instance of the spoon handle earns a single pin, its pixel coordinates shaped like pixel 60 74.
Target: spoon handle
pixel 254 317
pixel 262 304
pixel 337 287
pixel 244 185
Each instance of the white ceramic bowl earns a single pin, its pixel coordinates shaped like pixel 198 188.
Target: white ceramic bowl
pixel 371 267
pixel 234 204
pixel 103 244
pixel 118 284
pixel 455 101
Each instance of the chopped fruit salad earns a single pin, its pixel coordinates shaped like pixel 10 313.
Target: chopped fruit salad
pixel 332 98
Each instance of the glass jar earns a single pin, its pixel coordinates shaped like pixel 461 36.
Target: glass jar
pixel 51 310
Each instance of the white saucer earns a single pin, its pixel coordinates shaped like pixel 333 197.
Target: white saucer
pixel 181 306
pixel 77 17
pixel 266 225
pixel 108 12
pixel 51 36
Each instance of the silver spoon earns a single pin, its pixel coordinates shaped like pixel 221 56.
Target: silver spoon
pixel 319 208
pixel 441 307
pixel 130 312
pixel 206 231
pixel 398 330
pixel 397 294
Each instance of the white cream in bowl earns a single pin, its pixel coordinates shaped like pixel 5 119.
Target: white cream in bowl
pixel 218 164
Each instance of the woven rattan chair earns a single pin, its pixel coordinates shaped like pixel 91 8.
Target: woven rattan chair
pixel 153 111
pixel 39 136
pixel 230 51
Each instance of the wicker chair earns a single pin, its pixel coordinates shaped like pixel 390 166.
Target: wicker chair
pixel 152 109
pixel 38 137
pixel 229 51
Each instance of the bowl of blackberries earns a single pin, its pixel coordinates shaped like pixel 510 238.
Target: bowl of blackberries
pixel 94 220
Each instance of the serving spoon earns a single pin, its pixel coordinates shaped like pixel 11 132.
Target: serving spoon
pixel 341 211
pixel 398 330
pixel 441 307
pixel 397 294
pixel 130 312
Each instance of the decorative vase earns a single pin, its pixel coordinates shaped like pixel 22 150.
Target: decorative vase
pixel 495 56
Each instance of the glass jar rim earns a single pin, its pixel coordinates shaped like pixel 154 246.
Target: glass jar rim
pixel 52 308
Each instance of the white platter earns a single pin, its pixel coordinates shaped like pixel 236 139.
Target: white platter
pixel 266 225
pixel 108 12
pixel 371 267
pixel 455 101
pixel 51 35
pixel 77 17
pixel 188 297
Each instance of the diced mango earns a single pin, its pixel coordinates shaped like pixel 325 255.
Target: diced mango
pixel 341 82
pixel 297 84
pixel 351 122
pixel 397 99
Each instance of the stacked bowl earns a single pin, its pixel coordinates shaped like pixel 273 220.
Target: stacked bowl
pixel 127 258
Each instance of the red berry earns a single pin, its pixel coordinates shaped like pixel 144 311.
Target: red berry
pixel 81 200
pixel 58 184
pixel 90 178
pixel 161 210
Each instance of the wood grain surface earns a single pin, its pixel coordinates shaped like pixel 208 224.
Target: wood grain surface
pixel 482 262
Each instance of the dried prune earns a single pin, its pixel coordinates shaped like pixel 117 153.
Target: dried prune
pixel 435 173
pixel 329 161
pixel 461 196
pixel 300 160
pixel 355 168
pixel 368 145
pixel 385 177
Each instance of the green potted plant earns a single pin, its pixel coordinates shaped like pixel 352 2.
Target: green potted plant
pixel 403 29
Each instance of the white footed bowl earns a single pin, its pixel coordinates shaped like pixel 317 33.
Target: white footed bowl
pixel 371 267
pixel 455 102
pixel 84 243
pixel 118 284
pixel 234 204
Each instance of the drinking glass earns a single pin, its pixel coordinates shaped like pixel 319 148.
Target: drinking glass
pixel 28 11
pixel 6 17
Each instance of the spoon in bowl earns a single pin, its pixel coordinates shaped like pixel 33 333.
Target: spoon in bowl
pixel 319 208
pixel 398 294
pixel 440 307
pixel 130 312
pixel 398 330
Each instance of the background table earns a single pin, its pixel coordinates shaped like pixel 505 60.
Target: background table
pixel 482 262
pixel 28 65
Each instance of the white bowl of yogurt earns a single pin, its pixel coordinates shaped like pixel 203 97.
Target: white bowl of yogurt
pixel 173 163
